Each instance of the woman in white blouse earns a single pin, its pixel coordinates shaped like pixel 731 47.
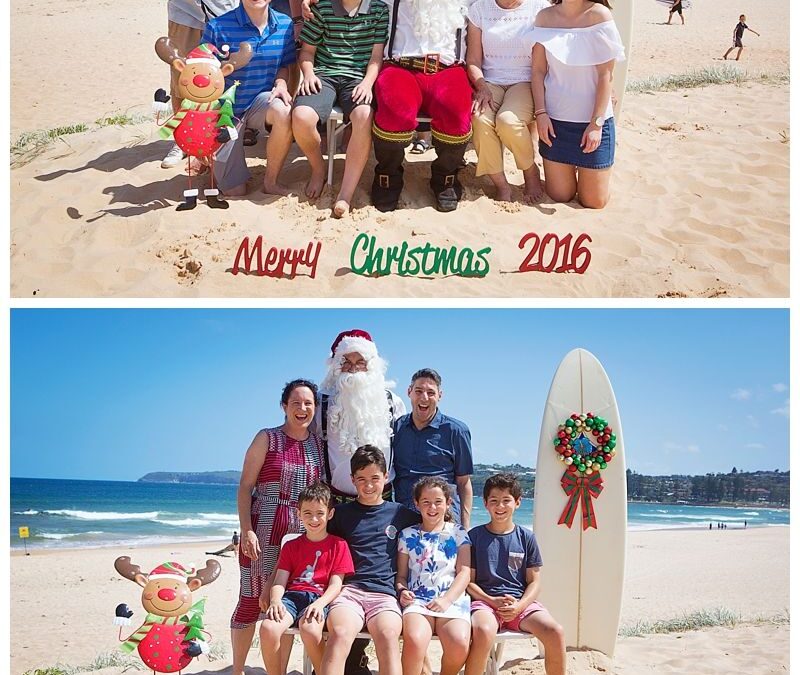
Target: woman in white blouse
pixel 576 44
pixel 499 41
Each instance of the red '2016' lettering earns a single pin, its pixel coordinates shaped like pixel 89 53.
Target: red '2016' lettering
pixel 546 251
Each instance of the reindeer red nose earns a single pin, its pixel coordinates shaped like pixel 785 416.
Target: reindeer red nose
pixel 201 81
pixel 167 594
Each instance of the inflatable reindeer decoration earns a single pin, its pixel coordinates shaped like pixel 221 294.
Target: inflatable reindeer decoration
pixel 172 633
pixel 205 121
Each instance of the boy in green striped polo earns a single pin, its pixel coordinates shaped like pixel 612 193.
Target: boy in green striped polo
pixel 340 58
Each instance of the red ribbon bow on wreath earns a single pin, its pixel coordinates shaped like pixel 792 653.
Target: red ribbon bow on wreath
pixel 581 489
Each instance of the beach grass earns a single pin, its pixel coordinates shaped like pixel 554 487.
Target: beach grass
pixel 707 618
pixel 703 77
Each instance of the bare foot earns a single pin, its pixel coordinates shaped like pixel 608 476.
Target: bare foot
pixel 340 208
pixel 316 184
pixel 534 191
pixel 196 166
pixel 503 194
pixel 276 189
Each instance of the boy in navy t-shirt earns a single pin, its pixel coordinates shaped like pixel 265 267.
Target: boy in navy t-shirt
pixel 370 527
pixel 738 33
pixel 308 577
pixel 505 581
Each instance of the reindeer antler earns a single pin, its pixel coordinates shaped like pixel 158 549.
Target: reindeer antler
pixel 167 51
pixel 126 568
pixel 241 59
pixel 208 573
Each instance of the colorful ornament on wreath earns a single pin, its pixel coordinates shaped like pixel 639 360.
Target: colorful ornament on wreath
pixel 585 444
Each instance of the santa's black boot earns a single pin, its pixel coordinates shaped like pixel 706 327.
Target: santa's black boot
pixel 388 182
pixel 444 174
pixel 213 200
pixel 189 200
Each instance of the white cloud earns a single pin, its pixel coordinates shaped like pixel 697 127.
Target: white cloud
pixel 783 411
pixel 753 421
pixel 723 427
pixel 671 446
pixel 512 452
pixel 741 394
pixel 780 387
pixel 755 446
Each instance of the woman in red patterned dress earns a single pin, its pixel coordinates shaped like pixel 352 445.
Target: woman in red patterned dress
pixel 279 463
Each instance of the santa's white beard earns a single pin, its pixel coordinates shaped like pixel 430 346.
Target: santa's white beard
pixel 359 410
pixel 436 23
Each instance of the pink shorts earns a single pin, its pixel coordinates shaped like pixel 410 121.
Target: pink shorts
pixel 535 606
pixel 367 604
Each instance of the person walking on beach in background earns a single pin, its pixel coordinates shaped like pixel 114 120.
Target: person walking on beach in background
pixel 340 59
pixel 432 575
pixel 278 465
pixel 576 45
pixel 233 547
pixel 429 443
pixel 357 408
pixel 186 20
pixel 738 33
pixel 499 44
pixel 677 6
pixel 309 576
pixel 262 97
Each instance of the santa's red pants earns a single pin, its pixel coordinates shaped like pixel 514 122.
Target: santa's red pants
pixel 402 94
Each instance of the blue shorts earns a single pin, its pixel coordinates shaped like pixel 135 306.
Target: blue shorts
pixel 296 603
pixel 566 148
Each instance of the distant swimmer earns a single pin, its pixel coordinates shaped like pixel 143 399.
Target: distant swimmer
pixel 232 547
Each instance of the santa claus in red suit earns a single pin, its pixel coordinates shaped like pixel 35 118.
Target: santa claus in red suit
pixel 423 74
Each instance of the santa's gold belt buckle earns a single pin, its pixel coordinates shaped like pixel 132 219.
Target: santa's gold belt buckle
pixel 430 64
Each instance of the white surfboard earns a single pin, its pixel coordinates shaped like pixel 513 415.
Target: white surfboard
pixel 686 4
pixel 623 17
pixel 583 569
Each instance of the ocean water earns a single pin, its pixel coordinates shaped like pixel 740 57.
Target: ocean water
pixel 79 513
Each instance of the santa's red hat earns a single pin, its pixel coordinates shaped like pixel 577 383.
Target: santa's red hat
pixel 354 340
pixel 171 570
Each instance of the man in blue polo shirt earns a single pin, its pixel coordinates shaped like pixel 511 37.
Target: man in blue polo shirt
pixel 429 443
pixel 262 97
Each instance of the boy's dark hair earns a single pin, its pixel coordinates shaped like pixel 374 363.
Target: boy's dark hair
pixel 502 481
pixel 316 492
pixel 366 455
pixel 427 482
pixel 429 374
pixel 289 387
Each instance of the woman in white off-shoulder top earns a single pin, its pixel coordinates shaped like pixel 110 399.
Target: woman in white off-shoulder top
pixel 576 45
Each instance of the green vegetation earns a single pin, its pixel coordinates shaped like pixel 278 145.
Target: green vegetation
pixel 707 618
pixel 31 140
pixel 702 77
pixel 121 120
pixel 102 660
pixel 763 488
pixel 206 477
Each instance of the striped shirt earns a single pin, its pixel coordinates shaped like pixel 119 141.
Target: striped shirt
pixel 344 43
pixel 272 49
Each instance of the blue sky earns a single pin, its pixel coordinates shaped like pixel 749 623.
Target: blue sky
pixel 114 394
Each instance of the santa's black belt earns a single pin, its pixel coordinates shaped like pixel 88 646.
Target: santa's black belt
pixel 428 64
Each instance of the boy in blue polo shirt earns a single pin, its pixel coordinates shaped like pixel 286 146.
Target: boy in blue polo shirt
pixel 262 97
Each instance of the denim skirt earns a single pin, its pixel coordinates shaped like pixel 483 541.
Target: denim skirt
pixel 566 148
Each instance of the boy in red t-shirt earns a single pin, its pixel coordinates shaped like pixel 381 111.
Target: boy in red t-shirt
pixel 308 577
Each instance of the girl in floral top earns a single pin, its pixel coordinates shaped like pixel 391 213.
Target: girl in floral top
pixel 432 575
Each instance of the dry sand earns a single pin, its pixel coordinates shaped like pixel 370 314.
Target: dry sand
pixel 62 605
pixel 700 194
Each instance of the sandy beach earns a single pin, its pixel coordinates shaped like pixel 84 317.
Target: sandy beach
pixel 699 208
pixel 669 573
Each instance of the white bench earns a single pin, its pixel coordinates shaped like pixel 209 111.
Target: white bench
pixel 492 664
pixel 335 127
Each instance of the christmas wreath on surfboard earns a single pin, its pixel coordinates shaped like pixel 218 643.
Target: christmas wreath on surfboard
pixel 585 443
